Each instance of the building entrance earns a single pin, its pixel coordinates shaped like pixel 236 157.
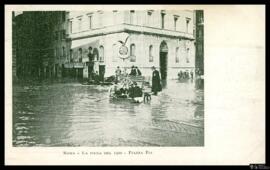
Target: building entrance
pixel 163 60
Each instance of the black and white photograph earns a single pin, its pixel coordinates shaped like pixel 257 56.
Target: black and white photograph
pixel 135 84
pixel 108 78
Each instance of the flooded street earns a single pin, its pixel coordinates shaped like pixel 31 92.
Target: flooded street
pixel 71 114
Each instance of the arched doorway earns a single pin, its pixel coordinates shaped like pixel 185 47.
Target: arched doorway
pixel 163 60
pixel 96 54
pixel 96 62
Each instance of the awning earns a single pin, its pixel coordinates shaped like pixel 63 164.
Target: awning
pixel 85 43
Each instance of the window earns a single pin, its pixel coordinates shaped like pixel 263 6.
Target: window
pixel 149 18
pixel 55 52
pixel 151 58
pixel 114 57
pixel 175 22
pixel 187 24
pixel 132 53
pixel 79 24
pixel 90 19
pixel 177 55
pixel 96 54
pixel 71 55
pixel 132 16
pixel 63 52
pixel 63 34
pixel 70 26
pixel 187 56
pixel 114 17
pixel 59 53
pixel 90 56
pixel 162 20
pixel 80 55
pixel 100 20
pixel 56 35
pixel 101 57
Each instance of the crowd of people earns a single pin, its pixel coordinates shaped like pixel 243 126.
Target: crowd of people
pixel 185 75
pixel 124 89
pixel 135 71
pixel 131 91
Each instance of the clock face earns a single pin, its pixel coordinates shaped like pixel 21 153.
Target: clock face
pixel 123 50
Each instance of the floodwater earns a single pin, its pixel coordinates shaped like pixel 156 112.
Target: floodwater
pixel 71 114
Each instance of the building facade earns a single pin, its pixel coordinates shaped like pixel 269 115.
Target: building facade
pixel 199 34
pixel 53 44
pixel 34 43
pixel 59 44
pixel 14 47
pixel 99 41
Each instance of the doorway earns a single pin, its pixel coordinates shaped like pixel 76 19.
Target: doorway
pixel 163 60
pixel 101 72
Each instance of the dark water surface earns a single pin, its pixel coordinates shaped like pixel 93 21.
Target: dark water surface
pixel 71 114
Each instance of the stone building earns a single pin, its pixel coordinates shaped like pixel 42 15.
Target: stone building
pixel 199 34
pixel 14 49
pixel 34 43
pixel 59 44
pixel 77 43
pixel 99 41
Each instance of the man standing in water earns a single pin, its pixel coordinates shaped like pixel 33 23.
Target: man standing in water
pixel 156 85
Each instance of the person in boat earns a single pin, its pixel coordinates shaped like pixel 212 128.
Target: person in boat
pixel 133 71
pixel 131 91
pixel 138 72
pixel 119 91
pixel 137 90
pixel 138 93
pixel 156 85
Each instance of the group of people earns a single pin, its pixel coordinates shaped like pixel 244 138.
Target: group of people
pixel 199 72
pixel 133 91
pixel 190 74
pixel 122 90
pixel 135 71
pixel 185 75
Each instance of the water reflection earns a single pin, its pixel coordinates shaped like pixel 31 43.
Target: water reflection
pixel 76 115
